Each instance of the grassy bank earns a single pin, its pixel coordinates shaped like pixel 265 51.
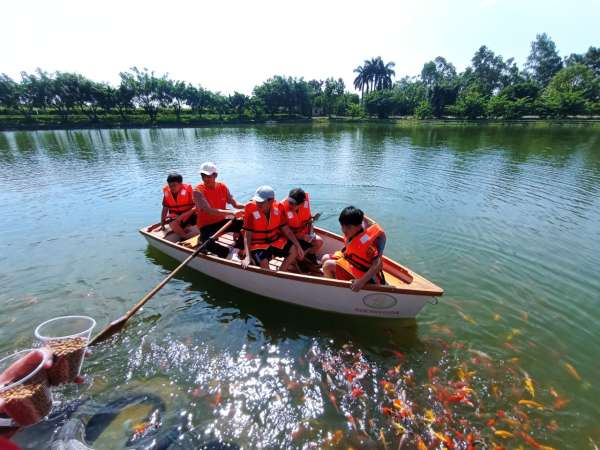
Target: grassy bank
pixel 169 120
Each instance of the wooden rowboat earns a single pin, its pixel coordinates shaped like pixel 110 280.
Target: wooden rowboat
pixel 404 295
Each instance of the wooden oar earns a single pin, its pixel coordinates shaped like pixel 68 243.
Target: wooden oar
pixel 117 325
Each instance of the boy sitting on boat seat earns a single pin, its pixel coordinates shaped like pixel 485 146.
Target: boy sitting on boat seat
pixel 178 208
pixel 361 258
pixel 299 220
pixel 266 232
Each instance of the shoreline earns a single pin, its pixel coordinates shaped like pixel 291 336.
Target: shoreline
pixel 403 122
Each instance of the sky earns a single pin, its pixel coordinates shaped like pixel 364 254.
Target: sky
pixel 233 45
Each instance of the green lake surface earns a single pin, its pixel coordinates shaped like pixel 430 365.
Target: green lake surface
pixel 505 218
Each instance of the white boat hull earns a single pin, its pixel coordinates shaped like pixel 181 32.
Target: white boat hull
pixel 308 291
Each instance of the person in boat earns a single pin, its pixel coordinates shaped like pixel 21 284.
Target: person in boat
pixel 211 199
pixel 361 258
pixel 178 207
pixel 267 234
pixel 299 218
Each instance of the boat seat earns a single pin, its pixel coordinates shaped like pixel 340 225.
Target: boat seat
pixel 228 241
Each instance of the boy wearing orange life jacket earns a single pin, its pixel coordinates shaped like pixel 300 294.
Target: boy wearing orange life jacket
pixel 211 198
pixel 266 232
pixel 361 258
pixel 178 207
pixel 299 218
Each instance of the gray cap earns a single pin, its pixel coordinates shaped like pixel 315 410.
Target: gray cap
pixel 263 194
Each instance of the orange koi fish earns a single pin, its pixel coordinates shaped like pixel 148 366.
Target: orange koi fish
pixel 531 404
pixel 333 401
pixel 503 434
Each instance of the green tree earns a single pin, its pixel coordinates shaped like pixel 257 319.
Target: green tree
pixel 543 61
pixel 35 91
pixel 489 71
pixel 438 71
pixel 150 92
pixel 239 102
pixel 408 95
pixel 591 58
pixel 197 98
pixel 471 103
pixel 379 103
pixel 9 92
pixel 573 90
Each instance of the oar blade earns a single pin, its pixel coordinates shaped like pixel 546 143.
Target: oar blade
pixel 112 328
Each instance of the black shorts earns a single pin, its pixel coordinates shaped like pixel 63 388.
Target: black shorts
pixel 208 230
pixel 190 221
pixel 269 253
pixel 305 245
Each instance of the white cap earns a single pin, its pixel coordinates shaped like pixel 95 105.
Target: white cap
pixel 263 194
pixel 208 168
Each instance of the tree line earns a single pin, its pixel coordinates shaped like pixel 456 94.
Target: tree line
pixel 548 86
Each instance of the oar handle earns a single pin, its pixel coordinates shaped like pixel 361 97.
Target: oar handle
pixel 118 324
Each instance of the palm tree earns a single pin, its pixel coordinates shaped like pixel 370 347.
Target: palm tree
pixel 383 73
pixel 374 75
pixel 360 81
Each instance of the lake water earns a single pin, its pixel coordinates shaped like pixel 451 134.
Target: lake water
pixel 505 218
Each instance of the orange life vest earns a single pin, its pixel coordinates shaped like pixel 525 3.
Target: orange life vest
pixel 216 198
pixel 184 201
pixel 266 233
pixel 358 255
pixel 299 222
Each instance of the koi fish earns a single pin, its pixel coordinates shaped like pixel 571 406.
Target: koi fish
pixel 529 440
pixel 464 375
pixel 382 439
pixel 467 318
pixel 529 384
pixel 217 399
pixel 511 422
pixel 141 427
pixel 572 371
pixel 398 429
pixel 432 372
pixel 429 416
pixel 504 434
pixel 514 332
pixel 397 404
pixel 337 437
pixel 446 440
pixel 497 317
pixel 560 403
pixel 350 374
pixel 388 387
pixel 481 354
pixel 333 401
pixel 357 392
pixel 553 425
pixel 531 404
pixel 420 444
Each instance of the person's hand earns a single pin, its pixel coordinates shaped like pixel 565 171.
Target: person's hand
pixel 239 214
pixel 25 366
pixel 162 227
pixel 246 262
pixel 300 252
pixel 357 284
